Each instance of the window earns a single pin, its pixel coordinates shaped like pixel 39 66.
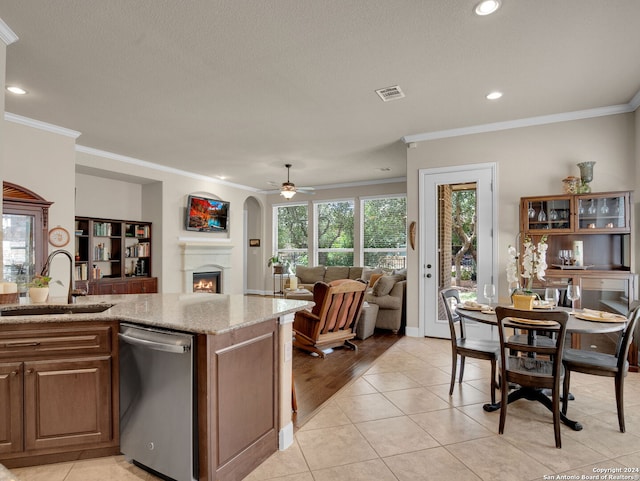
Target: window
pixel 384 227
pixel 291 233
pixel 334 233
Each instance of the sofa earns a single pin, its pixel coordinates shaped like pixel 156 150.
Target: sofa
pixel 308 276
pixel 389 294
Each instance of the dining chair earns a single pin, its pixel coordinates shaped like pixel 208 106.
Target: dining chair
pixel 531 365
pixel 463 347
pixel 601 364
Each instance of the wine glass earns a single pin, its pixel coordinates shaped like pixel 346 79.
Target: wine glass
pixel 553 215
pixel 542 217
pixel 604 208
pixel 531 211
pixel 573 294
pixel 552 295
pixel 592 209
pixel 580 207
pixel 489 292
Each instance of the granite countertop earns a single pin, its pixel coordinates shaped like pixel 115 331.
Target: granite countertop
pixel 5 474
pixel 198 313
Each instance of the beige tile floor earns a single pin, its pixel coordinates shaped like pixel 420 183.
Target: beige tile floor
pixel 398 423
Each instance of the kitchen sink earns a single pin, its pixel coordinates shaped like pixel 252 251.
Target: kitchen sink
pixel 51 309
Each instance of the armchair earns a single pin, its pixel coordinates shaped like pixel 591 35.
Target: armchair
pixel 332 321
pixel 389 294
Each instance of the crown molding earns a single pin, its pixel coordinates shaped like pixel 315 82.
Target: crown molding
pixel 37 124
pixel 158 167
pixel 528 122
pixel 6 34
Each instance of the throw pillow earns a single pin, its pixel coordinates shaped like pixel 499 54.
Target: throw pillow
pixel 400 272
pixel 384 285
pixel 374 278
pixel 368 271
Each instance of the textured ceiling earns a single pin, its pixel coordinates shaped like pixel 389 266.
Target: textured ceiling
pixel 239 88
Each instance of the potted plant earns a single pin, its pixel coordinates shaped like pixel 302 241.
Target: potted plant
pixel 280 266
pixel 39 288
pixel 534 264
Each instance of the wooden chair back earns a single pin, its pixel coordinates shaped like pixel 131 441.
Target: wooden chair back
pixel 332 321
pixel 532 364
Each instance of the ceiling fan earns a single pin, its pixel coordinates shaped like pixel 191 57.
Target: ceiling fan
pixel 289 189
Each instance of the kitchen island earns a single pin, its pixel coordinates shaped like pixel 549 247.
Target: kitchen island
pixel 243 377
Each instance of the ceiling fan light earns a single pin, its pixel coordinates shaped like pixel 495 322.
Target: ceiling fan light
pixel 288 190
pixel 487 7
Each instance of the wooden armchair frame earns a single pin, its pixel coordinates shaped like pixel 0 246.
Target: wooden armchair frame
pixel 332 321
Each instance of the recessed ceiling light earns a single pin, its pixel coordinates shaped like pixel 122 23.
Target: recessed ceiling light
pixel 487 7
pixel 494 95
pixel 16 90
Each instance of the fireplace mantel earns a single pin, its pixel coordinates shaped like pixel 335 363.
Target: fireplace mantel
pixel 203 257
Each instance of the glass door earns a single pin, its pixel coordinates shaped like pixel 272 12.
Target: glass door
pixel 457 247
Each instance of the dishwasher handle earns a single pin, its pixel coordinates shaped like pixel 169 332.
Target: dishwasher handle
pixel 157 346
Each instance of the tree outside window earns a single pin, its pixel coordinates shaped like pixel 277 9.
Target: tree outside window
pixel 292 223
pixel 384 222
pixel 335 234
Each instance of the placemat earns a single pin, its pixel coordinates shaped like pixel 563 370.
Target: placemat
pixel 533 322
pixel 587 316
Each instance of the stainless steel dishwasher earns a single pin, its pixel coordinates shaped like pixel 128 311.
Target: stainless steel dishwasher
pixel 157 410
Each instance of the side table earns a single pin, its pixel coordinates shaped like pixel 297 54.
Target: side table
pixel 367 321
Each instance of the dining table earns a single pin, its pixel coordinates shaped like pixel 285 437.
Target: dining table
pixel 578 323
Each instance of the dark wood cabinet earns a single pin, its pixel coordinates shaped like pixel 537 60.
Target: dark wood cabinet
pixel 601 223
pixel 113 256
pixel 11 402
pixel 58 392
pixel 67 403
pixel 238 420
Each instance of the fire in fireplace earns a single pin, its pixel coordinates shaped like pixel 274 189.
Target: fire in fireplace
pixel 206 282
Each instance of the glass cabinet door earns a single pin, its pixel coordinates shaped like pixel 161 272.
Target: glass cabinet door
pixel 602 212
pixel 547 214
pixel 19 249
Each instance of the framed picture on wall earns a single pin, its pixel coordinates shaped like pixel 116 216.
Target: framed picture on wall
pixel 254 242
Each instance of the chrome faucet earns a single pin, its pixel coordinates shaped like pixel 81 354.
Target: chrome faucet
pixel 47 265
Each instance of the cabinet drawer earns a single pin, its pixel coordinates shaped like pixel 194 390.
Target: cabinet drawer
pixel 604 284
pixel 63 341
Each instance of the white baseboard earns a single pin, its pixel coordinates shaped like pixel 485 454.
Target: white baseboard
pixel 412 332
pixel 285 437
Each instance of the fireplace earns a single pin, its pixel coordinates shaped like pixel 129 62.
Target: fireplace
pixel 206 282
pixel 199 258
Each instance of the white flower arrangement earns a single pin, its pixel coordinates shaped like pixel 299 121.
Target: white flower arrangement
pixel 534 262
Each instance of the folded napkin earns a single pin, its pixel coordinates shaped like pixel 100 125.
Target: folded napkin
pixel 474 305
pixel 600 314
pixel 543 304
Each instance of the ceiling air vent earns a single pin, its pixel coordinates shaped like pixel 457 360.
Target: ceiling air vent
pixel 390 93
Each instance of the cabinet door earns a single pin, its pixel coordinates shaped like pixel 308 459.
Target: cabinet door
pixel 67 402
pixel 111 287
pixel 546 214
pixel 607 212
pixel 143 285
pixel 10 407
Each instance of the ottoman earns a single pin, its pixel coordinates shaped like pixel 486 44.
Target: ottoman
pixel 298 294
pixel 367 322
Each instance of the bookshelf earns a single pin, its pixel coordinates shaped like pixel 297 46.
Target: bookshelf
pixel 113 256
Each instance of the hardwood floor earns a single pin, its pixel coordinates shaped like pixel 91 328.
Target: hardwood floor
pixel 317 379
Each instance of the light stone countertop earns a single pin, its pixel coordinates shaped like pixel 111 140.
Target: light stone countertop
pixel 198 313
pixel 5 475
